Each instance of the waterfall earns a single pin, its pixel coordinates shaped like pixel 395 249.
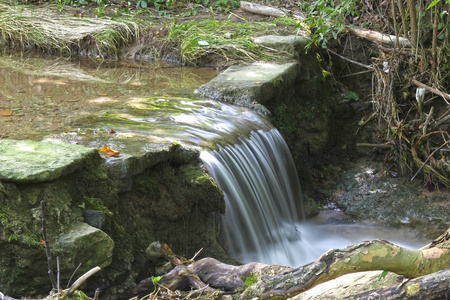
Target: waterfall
pixel 262 195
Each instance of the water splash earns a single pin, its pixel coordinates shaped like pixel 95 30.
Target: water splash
pixel 263 197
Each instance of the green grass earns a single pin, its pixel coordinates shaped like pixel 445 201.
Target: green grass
pixel 44 28
pixel 225 38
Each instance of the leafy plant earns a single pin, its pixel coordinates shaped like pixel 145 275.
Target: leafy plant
pixel 249 280
pixel 155 281
pixel 327 18
pixel 382 275
pixel 225 5
pixel 100 10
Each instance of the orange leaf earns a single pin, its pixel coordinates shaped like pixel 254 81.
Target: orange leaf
pixel 109 152
pixel 112 131
pixel 6 113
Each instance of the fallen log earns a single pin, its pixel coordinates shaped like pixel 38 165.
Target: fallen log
pixel 277 282
pixel 432 286
pixel 262 9
pixel 375 36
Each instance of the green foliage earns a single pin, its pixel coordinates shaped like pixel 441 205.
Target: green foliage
pixel 155 281
pixel 352 96
pixel 224 5
pixel 436 2
pixel 79 295
pixel 100 10
pixel 249 280
pixel 382 275
pixel 327 18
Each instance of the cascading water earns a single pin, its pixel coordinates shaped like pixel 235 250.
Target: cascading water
pixel 264 205
pixel 263 197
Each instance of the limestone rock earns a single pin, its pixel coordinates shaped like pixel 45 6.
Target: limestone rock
pixel 154 252
pixel 95 218
pixel 292 44
pixel 87 245
pixel 30 161
pixel 251 85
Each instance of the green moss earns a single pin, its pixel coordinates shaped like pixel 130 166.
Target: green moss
pixel 14 222
pixel 249 280
pixel 147 186
pixel 196 175
pixel 97 204
pixel 412 290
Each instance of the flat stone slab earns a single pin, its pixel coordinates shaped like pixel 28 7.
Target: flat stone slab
pixel 251 85
pixel 31 161
pixel 292 44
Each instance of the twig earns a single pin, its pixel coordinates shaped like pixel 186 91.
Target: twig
pixel 350 60
pixel 97 292
pixel 429 88
pixel 443 120
pixel 354 74
pixel 70 279
pixel 47 247
pixel 374 145
pixel 195 255
pixel 365 122
pixel 81 280
pixel 239 17
pixel 57 273
pixel 432 153
pixel 386 49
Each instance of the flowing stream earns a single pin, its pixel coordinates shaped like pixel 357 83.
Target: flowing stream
pixel 81 103
pixel 263 196
pixel 264 222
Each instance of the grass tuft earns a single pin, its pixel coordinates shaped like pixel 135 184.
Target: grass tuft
pixel 40 28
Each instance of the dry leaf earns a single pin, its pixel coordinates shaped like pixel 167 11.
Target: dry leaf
pixel 6 113
pixel 109 152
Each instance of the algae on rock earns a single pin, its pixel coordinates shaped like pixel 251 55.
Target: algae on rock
pixel 168 198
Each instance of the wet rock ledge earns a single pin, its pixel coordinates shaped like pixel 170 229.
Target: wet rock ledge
pixel 93 221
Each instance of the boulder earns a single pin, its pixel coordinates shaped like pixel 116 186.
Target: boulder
pixel 87 245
